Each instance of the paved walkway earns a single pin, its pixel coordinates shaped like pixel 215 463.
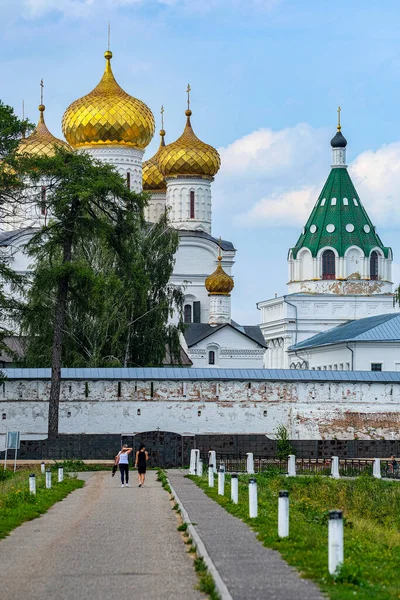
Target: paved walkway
pixel 248 569
pixel 101 542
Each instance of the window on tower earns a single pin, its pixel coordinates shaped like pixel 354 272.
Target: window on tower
pixel 192 204
pixel 43 209
pixel 187 313
pixel 373 265
pixel 328 265
pixel 128 180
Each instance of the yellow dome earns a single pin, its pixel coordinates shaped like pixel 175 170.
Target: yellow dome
pixel 108 115
pixel 219 282
pixel 189 156
pixel 153 179
pixel 41 142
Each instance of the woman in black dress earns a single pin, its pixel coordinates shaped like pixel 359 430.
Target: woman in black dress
pixel 142 457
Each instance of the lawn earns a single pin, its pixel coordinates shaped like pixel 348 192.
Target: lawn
pixel 18 505
pixel 371 510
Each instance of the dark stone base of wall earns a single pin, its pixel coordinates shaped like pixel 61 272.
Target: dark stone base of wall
pixel 169 449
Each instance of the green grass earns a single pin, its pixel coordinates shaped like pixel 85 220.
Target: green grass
pixel 18 505
pixel 371 569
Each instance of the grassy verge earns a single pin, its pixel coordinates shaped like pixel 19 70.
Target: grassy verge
pixel 371 532
pixel 206 581
pixel 18 505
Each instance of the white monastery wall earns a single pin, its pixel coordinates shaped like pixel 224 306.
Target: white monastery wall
pixel 339 357
pixel 309 410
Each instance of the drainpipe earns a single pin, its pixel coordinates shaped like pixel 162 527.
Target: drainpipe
pixel 296 330
pixel 352 355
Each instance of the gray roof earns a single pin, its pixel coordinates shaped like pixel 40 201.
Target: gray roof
pixel 196 332
pixel 225 245
pixel 379 328
pixel 8 238
pixel 182 374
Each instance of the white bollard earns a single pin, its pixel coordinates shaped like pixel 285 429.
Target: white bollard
pixel 60 474
pixel 234 488
pixel 250 463
pixel 48 479
pixel 42 467
pixel 291 468
pixel 211 476
pixel 335 467
pixel 212 459
pixel 221 482
pixel 377 468
pixel 196 464
pixel 200 468
pixel 283 514
pixel 335 540
pixel 32 484
pixel 192 467
pixel 253 504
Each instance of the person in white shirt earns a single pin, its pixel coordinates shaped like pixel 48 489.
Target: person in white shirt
pixel 122 459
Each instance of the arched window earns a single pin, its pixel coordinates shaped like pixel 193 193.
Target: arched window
pixel 373 265
pixel 328 265
pixel 192 205
pixel 187 313
pixel 211 357
pixel 128 180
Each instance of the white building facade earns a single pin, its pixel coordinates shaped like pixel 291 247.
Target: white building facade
pixel 339 270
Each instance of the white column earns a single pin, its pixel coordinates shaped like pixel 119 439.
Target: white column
pixel 124 159
pixel 210 477
pixel 253 502
pixel 32 484
pixel 221 482
pixel 291 465
pixel 234 488
pixel 335 540
pixel 193 458
pixel 250 463
pixel 377 468
pixel 178 202
pixel 335 467
pixel 212 460
pixel 283 514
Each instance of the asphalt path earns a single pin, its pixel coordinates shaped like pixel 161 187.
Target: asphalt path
pixel 102 541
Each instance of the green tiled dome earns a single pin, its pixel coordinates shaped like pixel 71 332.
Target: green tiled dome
pixel 339 220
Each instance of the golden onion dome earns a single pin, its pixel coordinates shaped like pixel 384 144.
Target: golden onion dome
pixel 108 115
pixel 219 282
pixel 41 142
pixel 189 156
pixel 153 179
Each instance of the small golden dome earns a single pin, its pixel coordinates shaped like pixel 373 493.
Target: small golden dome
pixel 41 142
pixel 219 282
pixel 108 115
pixel 189 156
pixel 153 179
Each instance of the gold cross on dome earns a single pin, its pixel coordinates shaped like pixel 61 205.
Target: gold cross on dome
pixel 162 116
pixel 109 35
pixel 41 91
pixel 339 110
pixel 188 89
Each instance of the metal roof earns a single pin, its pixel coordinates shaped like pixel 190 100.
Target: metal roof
pixel 182 374
pixel 196 332
pixel 379 328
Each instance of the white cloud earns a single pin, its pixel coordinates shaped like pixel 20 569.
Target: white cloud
pixel 273 178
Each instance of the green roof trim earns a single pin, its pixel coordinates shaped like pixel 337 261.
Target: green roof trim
pixel 350 221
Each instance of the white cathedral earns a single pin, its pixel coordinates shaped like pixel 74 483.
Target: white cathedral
pixel 339 270
pixel 115 127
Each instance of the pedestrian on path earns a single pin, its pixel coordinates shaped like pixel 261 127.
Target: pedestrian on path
pixel 142 456
pixel 122 459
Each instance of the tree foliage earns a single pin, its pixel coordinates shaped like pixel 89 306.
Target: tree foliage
pixel 99 293
pixel 283 445
pixel 12 193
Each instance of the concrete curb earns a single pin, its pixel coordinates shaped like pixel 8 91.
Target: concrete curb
pixel 201 550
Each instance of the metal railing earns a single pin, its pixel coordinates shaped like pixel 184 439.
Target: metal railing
pixel 348 467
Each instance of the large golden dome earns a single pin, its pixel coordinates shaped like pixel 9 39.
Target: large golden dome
pixel 153 179
pixel 219 282
pixel 108 115
pixel 41 142
pixel 189 156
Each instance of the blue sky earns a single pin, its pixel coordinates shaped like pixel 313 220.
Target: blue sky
pixel 266 78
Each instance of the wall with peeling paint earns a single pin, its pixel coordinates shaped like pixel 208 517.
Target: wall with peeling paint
pixel 309 410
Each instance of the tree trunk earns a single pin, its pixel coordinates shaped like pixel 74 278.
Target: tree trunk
pixel 56 357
